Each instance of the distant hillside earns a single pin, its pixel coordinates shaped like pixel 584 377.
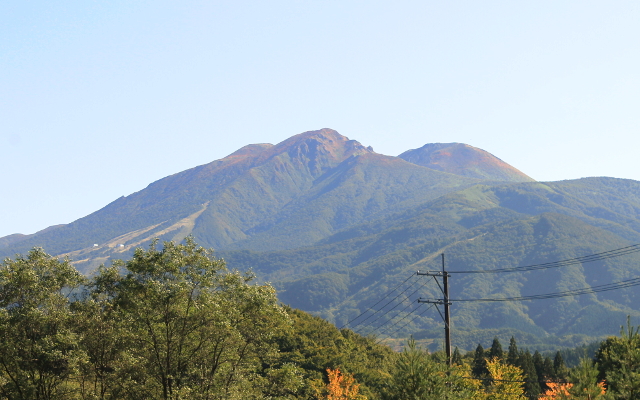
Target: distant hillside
pixel 335 226
pixel 465 160
pixel 482 227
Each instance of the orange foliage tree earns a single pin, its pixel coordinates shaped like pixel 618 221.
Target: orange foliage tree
pixel 562 391
pixel 342 386
pixel 584 386
pixel 556 391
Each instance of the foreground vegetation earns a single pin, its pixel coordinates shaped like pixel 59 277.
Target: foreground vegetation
pixel 175 323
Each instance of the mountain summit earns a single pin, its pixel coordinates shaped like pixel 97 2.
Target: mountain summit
pixel 465 160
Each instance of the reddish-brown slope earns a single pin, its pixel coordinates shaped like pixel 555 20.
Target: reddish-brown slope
pixel 465 160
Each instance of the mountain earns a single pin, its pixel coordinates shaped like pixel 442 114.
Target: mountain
pixel 465 160
pixel 335 226
pixel 261 197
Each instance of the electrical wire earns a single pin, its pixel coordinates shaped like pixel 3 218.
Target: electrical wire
pixel 394 307
pixel 382 308
pixel 414 318
pixel 575 292
pixel 399 313
pixel 378 302
pixel 562 263
pixel 556 264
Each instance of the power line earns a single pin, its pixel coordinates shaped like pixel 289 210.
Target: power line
pixel 402 319
pixel 378 302
pixel 399 312
pixel 383 307
pixel 394 307
pixel 562 263
pixel 413 319
pixel 556 264
pixel 575 292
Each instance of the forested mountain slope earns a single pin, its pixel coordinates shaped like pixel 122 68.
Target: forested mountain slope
pixel 335 226
pixel 478 228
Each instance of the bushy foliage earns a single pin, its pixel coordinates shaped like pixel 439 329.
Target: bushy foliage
pixel 171 323
pixel 168 324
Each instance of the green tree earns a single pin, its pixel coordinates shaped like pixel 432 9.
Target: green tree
pixel 197 330
pixel 544 369
pixel 456 357
pixel 496 350
pixel 619 363
pixel 417 376
pixel 479 364
pixel 585 384
pixel 531 385
pixel 513 355
pixel 111 371
pixel 559 367
pixel 548 368
pixel 39 353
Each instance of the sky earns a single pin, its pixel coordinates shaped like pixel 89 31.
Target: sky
pixel 98 99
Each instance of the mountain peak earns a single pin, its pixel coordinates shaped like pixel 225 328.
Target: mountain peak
pixel 330 140
pixel 463 159
pixel 320 149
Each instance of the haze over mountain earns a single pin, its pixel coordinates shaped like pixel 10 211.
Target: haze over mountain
pixel 335 225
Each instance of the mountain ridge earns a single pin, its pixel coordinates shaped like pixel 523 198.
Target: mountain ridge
pixel 263 177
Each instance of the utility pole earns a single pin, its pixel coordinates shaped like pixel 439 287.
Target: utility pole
pixel 444 302
pixel 447 322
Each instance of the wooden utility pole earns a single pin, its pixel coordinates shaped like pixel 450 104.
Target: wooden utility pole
pixel 447 324
pixel 444 302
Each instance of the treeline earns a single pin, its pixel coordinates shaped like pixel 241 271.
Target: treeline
pixel 175 323
pixel 536 370
pixel 613 374
pixel 171 323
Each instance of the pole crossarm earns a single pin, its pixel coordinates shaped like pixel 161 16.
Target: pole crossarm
pixel 438 302
pixel 432 273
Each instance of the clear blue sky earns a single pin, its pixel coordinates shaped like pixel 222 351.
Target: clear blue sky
pixel 98 99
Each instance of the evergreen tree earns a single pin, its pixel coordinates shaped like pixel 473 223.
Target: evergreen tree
pixel 619 363
pixel 479 365
pixel 496 350
pixel 548 370
pixel 531 385
pixel 417 376
pixel 559 368
pixel 456 358
pixel 513 354
pixel 585 385
pixel 541 369
pixel 538 362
